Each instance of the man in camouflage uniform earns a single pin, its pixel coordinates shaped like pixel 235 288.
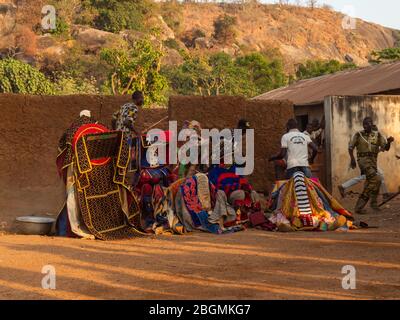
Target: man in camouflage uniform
pixel 368 144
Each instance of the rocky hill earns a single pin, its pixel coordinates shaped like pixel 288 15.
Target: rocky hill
pixel 296 33
pixel 299 33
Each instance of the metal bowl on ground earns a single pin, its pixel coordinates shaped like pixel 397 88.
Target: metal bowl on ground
pixel 31 225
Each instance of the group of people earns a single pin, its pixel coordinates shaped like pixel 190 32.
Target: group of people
pixel 299 201
pixel 114 190
pixel 295 152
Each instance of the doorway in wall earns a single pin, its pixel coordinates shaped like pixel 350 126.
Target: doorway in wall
pixel 302 121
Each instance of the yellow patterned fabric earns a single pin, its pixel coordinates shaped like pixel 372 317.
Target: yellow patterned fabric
pixel 101 198
pixel 65 152
pixel 327 213
pixel 97 161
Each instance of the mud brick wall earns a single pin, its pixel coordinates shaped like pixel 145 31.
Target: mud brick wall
pixel 267 117
pixel 30 127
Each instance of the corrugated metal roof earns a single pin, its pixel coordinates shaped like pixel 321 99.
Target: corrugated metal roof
pixel 369 80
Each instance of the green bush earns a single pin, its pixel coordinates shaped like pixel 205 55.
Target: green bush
pixel 66 84
pixel 316 68
pixel 62 27
pixel 172 44
pixel 220 74
pixel 136 69
pixel 264 72
pixel 118 15
pixel 20 77
pixel 386 55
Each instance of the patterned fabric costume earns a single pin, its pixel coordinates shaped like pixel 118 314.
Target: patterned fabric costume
pixel 150 183
pixel 125 118
pixel 235 197
pixel 304 204
pixel 193 205
pixel 93 162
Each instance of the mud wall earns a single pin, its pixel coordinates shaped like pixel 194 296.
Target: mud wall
pixel 267 117
pixel 344 118
pixel 30 127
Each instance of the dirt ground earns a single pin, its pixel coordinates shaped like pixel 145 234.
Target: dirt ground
pixel 247 265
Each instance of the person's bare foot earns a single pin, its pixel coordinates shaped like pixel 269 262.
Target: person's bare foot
pixel 342 192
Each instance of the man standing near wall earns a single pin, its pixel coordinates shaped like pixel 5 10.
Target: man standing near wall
pixel 124 119
pixel 368 143
pixel 295 145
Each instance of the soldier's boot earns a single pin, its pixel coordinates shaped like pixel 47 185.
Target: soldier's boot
pixel 361 203
pixel 374 203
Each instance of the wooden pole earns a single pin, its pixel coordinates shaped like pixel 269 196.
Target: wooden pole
pixel 153 125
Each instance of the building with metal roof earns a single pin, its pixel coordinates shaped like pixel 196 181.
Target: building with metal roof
pixel 342 100
pixel 372 80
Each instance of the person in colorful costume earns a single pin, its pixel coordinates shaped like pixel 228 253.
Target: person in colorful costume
pixel 194 202
pixel 124 119
pixel 92 162
pixel 235 198
pixel 150 182
pixel 302 203
pixel 193 134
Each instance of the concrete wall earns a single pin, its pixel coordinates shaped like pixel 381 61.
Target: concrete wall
pixel 344 118
pixel 267 117
pixel 30 127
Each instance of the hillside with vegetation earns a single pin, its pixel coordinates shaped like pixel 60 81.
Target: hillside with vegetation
pixel 163 48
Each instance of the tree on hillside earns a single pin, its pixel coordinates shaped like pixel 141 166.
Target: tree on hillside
pixel 229 77
pixel 136 69
pixel 118 15
pixel 386 55
pixel 312 3
pixel 220 74
pixel 266 74
pixel 20 77
pixel 224 28
pixel 316 68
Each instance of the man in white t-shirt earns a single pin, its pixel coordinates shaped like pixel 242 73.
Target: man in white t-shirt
pixel 295 145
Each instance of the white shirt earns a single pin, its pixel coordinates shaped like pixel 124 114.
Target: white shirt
pixel 296 144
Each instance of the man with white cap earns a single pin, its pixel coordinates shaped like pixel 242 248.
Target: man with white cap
pixel 85 113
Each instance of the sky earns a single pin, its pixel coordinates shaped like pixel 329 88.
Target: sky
pixel 384 12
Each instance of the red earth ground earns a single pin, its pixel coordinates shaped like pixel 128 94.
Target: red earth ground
pixel 247 265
